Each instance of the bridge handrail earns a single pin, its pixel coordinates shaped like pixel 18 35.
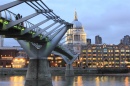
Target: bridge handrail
pixel 25 24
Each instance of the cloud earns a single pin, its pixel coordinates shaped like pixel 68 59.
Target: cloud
pixel 108 18
pixel 111 22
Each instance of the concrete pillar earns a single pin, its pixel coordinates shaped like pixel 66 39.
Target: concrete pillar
pixel 69 81
pixel 38 73
pixel 69 70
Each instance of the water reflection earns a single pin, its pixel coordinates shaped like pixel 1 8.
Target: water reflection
pixel 97 81
pixel 78 81
pixel 12 80
pixel 127 82
pixel 71 81
pixel 91 81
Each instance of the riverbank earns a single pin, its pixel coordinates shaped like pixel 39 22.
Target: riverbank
pixel 60 71
pixel 114 74
pixel 54 71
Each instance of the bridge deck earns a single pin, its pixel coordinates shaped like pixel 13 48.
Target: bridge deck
pixel 15 32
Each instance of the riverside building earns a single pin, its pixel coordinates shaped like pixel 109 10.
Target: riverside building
pixel 13 57
pixel 16 57
pixel 98 56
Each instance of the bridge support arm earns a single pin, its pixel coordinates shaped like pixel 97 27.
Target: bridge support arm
pixel 42 30
pixel 52 30
pixel 69 68
pixel 49 46
pixel 33 27
pixel 75 57
pixel 29 48
pixel 9 5
pixel 62 56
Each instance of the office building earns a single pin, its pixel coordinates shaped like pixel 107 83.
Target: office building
pixel 126 40
pixel 98 40
pixel 88 41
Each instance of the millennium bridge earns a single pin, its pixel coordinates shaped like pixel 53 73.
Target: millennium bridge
pixel 38 42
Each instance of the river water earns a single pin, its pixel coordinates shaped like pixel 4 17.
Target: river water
pixel 72 81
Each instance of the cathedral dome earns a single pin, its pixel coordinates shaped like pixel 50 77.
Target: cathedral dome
pixel 76 23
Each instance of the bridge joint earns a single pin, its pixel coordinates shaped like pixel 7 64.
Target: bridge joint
pixel 53 17
pixel 44 11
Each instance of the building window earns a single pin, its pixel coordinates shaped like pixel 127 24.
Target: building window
pixel 94 50
pixel 93 47
pixel 76 37
pixel 105 54
pixel 122 50
pixel 99 58
pixel 7 58
pixel 111 50
pixel 89 58
pixel 116 54
pixel 104 50
pixel 122 54
pixel 89 54
pixel 99 50
pixel 116 58
pixel 94 58
pixel 82 37
pixel 127 50
pixel 69 38
pixel 127 54
pixel 89 50
pixel 83 50
pixel 116 50
pixel 94 54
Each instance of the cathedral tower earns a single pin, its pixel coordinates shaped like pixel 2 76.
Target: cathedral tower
pixel 76 37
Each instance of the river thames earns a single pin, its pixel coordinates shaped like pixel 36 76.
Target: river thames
pixel 72 81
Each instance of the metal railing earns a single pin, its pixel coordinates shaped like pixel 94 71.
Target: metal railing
pixel 10 16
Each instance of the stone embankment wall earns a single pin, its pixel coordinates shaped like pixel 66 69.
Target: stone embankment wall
pixel 11 71
pixel 54 71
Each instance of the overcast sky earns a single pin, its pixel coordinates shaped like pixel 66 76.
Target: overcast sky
pixel 108 18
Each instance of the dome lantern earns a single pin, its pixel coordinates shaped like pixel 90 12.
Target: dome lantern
pixel 76 23
pixel 75 16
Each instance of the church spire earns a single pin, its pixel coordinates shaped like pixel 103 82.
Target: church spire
pixel 75 16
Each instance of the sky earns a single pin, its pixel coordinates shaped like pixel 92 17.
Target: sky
pixel 108 18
